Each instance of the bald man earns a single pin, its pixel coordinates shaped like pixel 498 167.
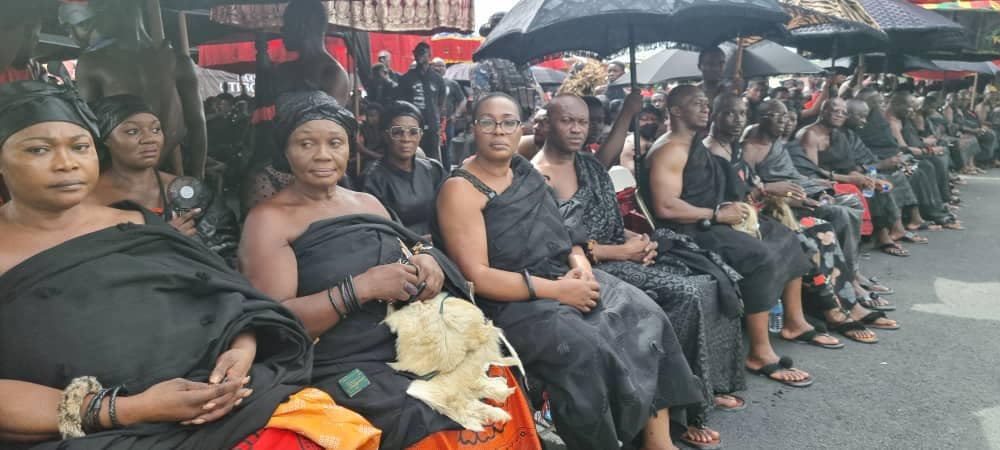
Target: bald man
pixel 685 188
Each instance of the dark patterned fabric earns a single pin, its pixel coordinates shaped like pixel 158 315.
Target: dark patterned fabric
pixel 711 340
pixel 606 372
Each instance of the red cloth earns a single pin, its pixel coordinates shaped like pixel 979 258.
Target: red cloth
pixel 241 57
pixel 12 74
pixel 277 439
pixel 866 226
pixel 635 221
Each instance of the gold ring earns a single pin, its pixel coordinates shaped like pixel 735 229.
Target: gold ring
pixel 788 194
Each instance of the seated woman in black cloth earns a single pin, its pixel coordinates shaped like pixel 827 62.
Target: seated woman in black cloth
pixel 602 349
pixel 93 279
pixel 404 183
pixel 314 236
pixel 129 150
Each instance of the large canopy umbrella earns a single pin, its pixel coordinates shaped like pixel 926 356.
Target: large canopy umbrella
pixel 981 20
pixel 984 68
pixel 914 29
pixel 426 17
pixel 855 32
pixel 762 59
pixel 537 28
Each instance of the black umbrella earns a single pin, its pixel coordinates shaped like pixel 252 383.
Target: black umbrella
pixel 982 28
pixel 547 77
pixel 913 29
pixel 897 63
pixel 762 59
pixel 536 28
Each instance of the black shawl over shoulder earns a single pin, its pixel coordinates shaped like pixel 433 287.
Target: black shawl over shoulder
pixel 326 254
pixel 137 305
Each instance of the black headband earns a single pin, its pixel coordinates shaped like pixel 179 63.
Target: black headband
pixel 293 109
pixel 26 103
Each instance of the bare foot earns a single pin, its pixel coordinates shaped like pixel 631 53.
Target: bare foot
pixel 791 374
pixel 726 401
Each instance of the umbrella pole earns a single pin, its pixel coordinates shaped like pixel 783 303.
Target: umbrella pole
pixel 860 72
pixel 637 143
pixel 975 84
pixel 738 69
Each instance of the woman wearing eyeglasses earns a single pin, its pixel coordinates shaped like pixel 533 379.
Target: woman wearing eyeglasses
pixel 405 183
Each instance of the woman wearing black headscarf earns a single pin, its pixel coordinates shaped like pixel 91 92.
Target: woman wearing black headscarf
pixel 405 183
pixel 331 255
pixel 92 296
pixel 129 148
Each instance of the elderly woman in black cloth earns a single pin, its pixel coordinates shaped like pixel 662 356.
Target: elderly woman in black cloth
pixel 602 349
pixel 90 370
pixel 129 149
pixel 331 254
pixel 405 183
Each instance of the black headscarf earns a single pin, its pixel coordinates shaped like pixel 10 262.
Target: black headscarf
pixel 293 109
pixel 400 108
pixel 111 112
pixel 26 103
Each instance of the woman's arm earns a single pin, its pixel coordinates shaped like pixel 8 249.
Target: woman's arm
pixel 460 218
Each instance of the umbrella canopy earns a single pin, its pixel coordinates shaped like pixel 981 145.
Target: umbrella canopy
pixel 459 72
pixel 855 32
pixel 536 28
pixel 985 68
pixel 982 32
pixel 912 28
pixel 548 77
pixel 425 17
pixel 454 47
pixel 897 63
pixel 762 59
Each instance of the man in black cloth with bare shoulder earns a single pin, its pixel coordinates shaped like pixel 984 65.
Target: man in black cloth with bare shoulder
pixel 693 192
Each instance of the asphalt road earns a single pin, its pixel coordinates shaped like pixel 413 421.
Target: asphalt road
pixel 934 384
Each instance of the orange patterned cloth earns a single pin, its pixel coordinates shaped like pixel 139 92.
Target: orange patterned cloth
pixel 313 415
pixel 516 434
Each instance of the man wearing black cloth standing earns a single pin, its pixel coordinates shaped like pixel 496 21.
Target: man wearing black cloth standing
pixel 693 192
pixel 426 90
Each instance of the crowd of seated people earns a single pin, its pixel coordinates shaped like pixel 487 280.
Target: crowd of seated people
pixel 626 334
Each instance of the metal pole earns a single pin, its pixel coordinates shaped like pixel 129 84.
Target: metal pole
pixel 635 85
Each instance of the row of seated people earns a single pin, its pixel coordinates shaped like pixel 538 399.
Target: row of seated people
pixel 522 243
pixel 517 241
pixel 146 339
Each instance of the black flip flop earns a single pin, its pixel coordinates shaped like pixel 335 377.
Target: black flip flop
pixel 913 238
pixel 784 363
pixel 901 252
pixel 845 327
pixel 870 318
pixel 869 302
pixel 808 336
pixel 871 283
pixel 696 444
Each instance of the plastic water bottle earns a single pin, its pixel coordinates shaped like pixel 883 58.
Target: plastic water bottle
pixel 872 172
pixel 775 318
